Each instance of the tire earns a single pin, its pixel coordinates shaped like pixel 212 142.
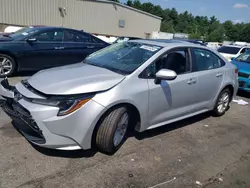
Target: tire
pixel 8 61
pixel 107 130
pixel 217 111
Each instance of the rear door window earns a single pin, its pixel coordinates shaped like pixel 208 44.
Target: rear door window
pixel 71 36
pixel 205 60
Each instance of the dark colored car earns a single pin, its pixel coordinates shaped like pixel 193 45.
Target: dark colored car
pixel 38 48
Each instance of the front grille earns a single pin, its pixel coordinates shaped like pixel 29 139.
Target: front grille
pixel 242 83
pixel 244 75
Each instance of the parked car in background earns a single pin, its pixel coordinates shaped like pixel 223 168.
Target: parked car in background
pixel 231 51
pixel 139 84
pixel 36 48
pixel 124 39
pixel 214 45
pixel 243 64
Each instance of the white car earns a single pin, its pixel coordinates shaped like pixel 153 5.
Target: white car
pixel 231 51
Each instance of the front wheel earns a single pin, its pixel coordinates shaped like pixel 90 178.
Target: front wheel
pixel 112 131
pixel 222 103
pixel 7 65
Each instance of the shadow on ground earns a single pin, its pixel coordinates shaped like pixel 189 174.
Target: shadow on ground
pixel 66 154
pixel 24 73
pixel 139 136
pixel 170 127
pixel 243 94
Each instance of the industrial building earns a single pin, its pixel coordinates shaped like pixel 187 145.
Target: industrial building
pixel 100 17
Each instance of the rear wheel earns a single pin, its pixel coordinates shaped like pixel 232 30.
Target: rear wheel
pixel 7 65
pixel 112 131
pixel 222 103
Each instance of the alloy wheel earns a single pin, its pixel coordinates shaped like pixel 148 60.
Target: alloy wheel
pixel 223 102
pixel 5 66
pixel 121 129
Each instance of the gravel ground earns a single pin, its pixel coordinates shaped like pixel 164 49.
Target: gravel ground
pixel 202 151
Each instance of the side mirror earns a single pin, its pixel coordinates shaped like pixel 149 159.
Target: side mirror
pixel 165 74
pixel 31 40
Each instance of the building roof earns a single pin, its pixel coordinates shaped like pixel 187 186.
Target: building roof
pixel 125 6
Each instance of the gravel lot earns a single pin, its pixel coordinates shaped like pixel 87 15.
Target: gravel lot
pixel 198 152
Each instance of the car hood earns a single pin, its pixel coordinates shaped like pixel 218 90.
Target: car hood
pixel 74 79
pixel 242 66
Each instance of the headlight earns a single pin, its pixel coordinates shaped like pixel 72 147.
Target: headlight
pixel 65 106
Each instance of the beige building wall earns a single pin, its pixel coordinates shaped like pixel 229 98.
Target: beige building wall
pixel 96 16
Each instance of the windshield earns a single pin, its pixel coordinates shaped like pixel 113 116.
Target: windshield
pixel 229 49
pixel 22 33
pixel 121 39
pixel 122 58
pixel 244 57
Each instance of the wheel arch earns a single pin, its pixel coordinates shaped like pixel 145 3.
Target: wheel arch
pixel 231 88
pixel 133 110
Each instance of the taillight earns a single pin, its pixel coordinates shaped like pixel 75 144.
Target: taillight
pixel 236 71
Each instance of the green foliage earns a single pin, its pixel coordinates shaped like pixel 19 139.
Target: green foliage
pixel 196 26
pixel 194 36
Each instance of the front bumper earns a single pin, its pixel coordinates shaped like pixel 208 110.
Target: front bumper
pixel 40 124
pixel 244 84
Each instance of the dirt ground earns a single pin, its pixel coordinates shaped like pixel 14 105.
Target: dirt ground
pixel 202 151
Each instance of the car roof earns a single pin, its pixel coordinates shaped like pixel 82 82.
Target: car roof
pixel 169 43
pixel 52 27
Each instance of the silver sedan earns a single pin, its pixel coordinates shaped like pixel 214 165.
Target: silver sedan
pixel 138 84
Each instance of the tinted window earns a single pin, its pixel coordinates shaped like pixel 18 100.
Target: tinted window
pixel 174 60
pixel 94 39
pixel 229 49
pixel 123 57
pixel 71 36
pixel 205 60
pixel 49 36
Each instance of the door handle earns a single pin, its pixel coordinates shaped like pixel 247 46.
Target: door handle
pixel 90 46
pixel 219 75
pixel 191 81
pixel 59 48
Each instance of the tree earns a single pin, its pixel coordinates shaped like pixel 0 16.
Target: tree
pixel 230 31
pixel 196 26
pixel 129 3
pixel 194 36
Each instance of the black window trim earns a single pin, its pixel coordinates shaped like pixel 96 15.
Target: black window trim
pixel 189 61
pixel 193 59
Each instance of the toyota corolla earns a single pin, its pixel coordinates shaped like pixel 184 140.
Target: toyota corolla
pixel 132 85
